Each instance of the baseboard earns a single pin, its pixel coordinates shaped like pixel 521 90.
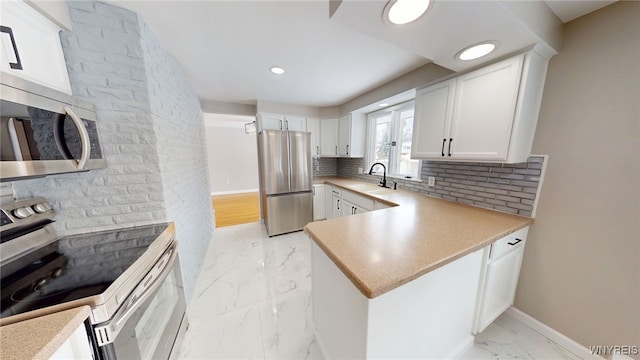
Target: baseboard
pixel 557 337
pixel 234 192
pixel 462 348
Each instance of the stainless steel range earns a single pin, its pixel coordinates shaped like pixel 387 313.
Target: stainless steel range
pixel 130 278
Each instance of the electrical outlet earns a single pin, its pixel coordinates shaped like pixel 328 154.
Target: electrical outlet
pixel 360 170
pixel 431 181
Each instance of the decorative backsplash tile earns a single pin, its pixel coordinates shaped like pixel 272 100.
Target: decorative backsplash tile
pixel 511 188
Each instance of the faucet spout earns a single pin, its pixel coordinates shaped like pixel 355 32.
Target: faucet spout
pixel 383 182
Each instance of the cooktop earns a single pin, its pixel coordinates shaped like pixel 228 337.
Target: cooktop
pixel 82 265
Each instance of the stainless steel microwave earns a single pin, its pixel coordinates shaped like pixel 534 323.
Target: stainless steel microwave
pixel 44 131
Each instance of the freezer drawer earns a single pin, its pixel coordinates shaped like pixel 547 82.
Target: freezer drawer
pixel 287 213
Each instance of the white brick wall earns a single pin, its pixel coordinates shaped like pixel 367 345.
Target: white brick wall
pixel 152 133
pixel 105 63
pixel 182 152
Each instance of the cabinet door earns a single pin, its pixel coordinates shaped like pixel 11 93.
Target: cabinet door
pixel 344 136
pixel 313 126
pixel 318 202
pixel 484 109
pixel 433 113
pixel 38 55
pixel 295 123
pixel 328 202
pixel 337 206
pixel 347 208
pixel 500 287
pixel 329 137
pixel 270 122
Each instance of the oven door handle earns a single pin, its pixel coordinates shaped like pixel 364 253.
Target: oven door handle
pixel 107 332
pixel 84 138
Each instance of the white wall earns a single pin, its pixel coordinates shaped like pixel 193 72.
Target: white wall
pixel 233 155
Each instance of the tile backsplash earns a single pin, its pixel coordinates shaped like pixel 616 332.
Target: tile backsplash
pixel 325 166
pixel 511 188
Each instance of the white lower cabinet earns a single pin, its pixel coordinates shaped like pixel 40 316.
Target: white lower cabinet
pixel 340 202
pixel 76 347
pixel 499 278
pixel 318 202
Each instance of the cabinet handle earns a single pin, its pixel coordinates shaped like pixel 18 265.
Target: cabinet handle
pixel 18 64
pixel 317 150
pixel 286 122
pixel 450 141
pixel 443 141
pixel 314 190
pixel 338 204
pixel 280 124
pixel 353 211
pixel 515 242
pixel 336 149
pixel 347 149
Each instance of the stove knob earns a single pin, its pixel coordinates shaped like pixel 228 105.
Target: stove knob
pixel 57 272
pixel 23 212
pixel 42 207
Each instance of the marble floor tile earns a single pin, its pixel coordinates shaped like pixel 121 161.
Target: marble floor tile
pixel 252 300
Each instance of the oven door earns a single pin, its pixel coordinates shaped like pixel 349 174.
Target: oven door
pixel 147 325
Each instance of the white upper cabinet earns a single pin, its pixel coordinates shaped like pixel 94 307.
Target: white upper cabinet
pixel 329 137
pixel 435 105
pixel 483 113
pixel 281 122
pixel 295 123
pixel 270 122
pixel 344 137
pixel 489 114
pixel 30 46
pixel 313 126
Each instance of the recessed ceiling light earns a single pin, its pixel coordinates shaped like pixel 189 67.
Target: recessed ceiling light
pixel 383 104
pixel 402 12
pixel 476 51
pixel 277 70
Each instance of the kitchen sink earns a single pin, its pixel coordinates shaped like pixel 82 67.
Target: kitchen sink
pixel 380 192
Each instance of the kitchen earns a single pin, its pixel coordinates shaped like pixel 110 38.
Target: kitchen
pixel 143 173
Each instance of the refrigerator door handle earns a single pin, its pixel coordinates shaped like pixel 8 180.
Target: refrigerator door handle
pixel 290 163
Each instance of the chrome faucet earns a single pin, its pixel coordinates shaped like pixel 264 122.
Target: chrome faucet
pixel 383 182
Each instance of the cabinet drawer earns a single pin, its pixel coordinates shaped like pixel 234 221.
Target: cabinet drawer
pixel 358 200
pixel 509 243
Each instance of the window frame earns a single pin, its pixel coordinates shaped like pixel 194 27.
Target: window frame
pixel 394 111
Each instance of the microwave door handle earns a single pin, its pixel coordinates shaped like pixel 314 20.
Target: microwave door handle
pixel 107 332
pixel 59 139
pixel 84 138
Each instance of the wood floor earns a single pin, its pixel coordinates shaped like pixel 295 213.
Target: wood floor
pixel 235 209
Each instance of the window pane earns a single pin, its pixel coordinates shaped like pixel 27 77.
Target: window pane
pixel 405 165
pixel 382 145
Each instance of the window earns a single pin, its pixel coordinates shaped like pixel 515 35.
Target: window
pixel 389 142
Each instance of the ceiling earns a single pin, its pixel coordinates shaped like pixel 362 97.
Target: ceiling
pixel 227 47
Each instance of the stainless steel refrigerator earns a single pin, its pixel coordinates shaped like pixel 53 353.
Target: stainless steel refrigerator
pixel 285 180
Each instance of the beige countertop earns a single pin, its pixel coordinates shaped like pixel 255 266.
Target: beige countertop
pixel 40 337
pixel 383 249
